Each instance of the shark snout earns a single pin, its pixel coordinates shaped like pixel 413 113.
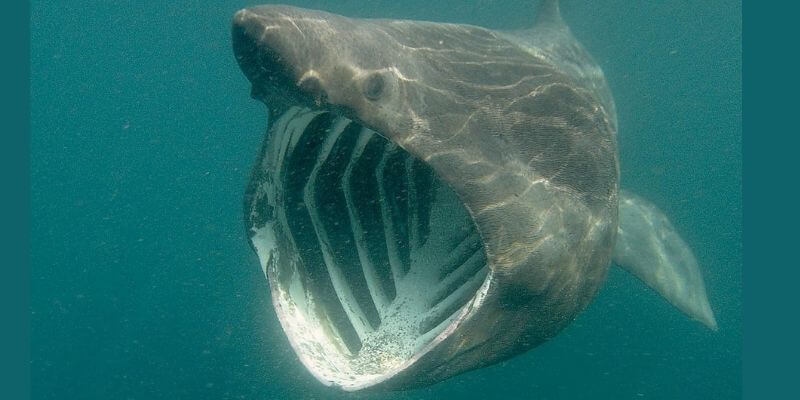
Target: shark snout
pixel 264 44
pixel 259 23
pixel 279 49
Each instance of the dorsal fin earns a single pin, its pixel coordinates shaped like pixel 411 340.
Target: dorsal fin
pixel 548 13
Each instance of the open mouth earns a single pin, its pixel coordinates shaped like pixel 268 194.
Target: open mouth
pixel 372 259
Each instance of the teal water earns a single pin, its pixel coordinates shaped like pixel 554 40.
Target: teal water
pixel 143 134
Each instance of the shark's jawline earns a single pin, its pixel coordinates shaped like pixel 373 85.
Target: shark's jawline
pixel 431 198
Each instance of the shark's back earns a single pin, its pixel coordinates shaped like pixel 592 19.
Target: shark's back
pixel 551 39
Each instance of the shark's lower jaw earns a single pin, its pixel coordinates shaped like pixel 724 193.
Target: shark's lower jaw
pixel 371 259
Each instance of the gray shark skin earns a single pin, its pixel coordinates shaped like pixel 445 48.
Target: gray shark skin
pixel 433 198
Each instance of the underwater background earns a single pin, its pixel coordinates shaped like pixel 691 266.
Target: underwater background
pixel 143 284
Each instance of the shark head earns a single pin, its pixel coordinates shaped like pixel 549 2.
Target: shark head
pixel 430 198
pixel 311 57
pixel 395 77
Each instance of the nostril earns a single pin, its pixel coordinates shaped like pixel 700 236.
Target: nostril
pixel 313 86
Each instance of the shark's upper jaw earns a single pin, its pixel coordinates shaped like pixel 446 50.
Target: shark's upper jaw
pixel 372 260
pixel 264 55
pixel 286 54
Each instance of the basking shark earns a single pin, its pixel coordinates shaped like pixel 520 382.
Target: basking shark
pixel 433 198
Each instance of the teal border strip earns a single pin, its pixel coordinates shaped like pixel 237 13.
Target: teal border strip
pixel 15 194
pixel 771 276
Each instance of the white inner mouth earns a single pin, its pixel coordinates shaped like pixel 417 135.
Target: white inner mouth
pixel 370 257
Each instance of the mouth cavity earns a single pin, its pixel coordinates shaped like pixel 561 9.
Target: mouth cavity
pixel 370 257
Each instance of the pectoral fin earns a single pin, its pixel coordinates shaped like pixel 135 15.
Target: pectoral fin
pixel 649 247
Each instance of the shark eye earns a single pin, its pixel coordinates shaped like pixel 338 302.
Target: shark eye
pixel 374 86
